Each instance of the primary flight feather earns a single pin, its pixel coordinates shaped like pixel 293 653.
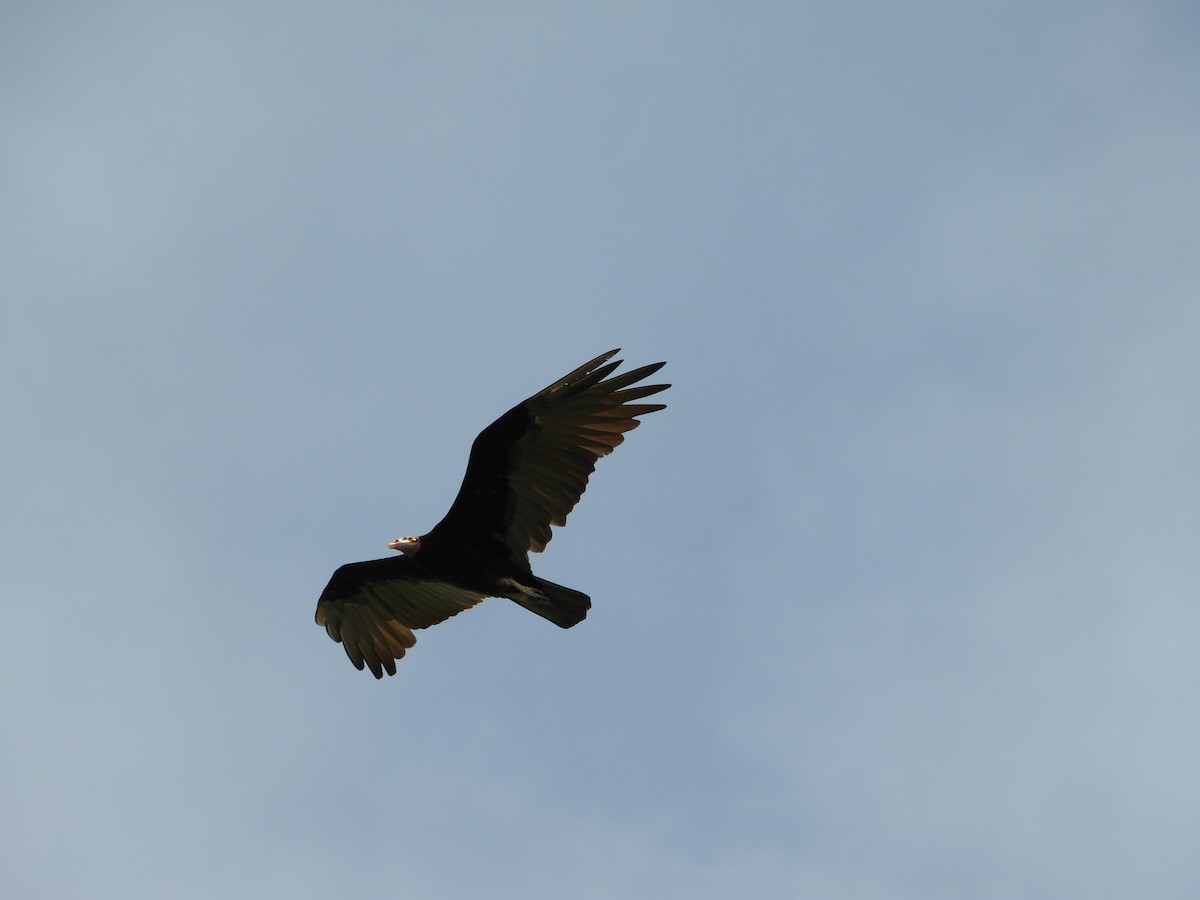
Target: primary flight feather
pixel 526 472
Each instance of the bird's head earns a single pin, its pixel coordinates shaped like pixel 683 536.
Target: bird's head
pixel 406 545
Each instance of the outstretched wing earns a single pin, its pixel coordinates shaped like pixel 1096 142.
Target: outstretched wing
pixel 529 468
pixel 371 608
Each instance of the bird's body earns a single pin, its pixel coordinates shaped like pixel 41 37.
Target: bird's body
pixel 526 472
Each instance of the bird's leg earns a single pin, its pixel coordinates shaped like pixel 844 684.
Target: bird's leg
pixel 512 589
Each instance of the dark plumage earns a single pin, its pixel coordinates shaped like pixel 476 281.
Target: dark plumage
pixel 526 472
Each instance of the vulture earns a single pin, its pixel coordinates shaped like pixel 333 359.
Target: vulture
pixel 525 473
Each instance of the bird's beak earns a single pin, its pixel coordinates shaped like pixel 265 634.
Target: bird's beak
pixel 396 544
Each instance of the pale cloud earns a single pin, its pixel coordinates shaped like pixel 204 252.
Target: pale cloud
pixel 894 599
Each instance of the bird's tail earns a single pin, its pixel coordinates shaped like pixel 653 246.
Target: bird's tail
pixel 561 605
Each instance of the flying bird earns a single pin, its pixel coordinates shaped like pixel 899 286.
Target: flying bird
pixel 525 473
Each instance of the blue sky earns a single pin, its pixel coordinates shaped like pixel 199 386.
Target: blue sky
pixel 897 599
